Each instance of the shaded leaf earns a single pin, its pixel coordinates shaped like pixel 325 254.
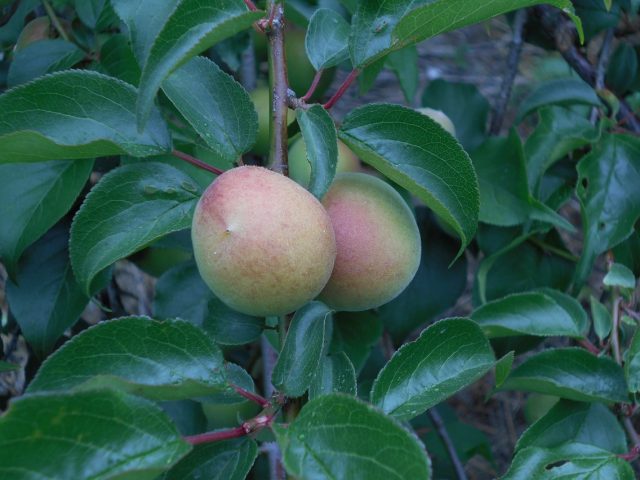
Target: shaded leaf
pixel 39 58
pixel 181 293
pixel 503 367
pixel 327 39
pixel 354 333
pixel 229 327
pixel 334 375
pixel 117 58
pixel 404 63
pixel 632 364
pixel 602 321
pixel 619 276
pixel 562 91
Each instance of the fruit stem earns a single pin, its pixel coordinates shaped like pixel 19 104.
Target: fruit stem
pixel 250 5
pixel 314 85
pixel 197 162
pixel 279 88
pixel 343 88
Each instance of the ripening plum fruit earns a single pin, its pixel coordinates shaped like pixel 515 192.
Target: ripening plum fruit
pixel 262 243
pixel 377 239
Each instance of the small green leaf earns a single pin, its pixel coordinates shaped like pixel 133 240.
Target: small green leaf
pixel 75 114
pixel 404 63
pixel 503 367
pixel 571 373
pixel 89 11
pixel 227 460
pixel 321 142
pixel 448 356
pixel 619 276
pixel 327 40
pixel 602 321
pixel 307 340
pixel 39 58
pixel 129 208
pixel 338 437
pixel 100 434
pixel 417 154
pixel 229 327
pixel 335 374
pixel 45 269
pixel 46 190
pixel 532 313
pixel 215 105
pixel 563 91
pixel 622 69
pixel 169 360
pixel 181 293
pixel 632 364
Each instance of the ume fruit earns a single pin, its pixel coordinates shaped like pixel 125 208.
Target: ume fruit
pixel 262 243
pixel 378 243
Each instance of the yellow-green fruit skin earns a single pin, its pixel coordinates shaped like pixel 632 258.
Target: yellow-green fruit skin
pixel 262 243
pixel 300 170
pixel 440 117
pixel 378 243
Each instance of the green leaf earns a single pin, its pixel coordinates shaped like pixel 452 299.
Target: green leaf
pixel 623 68
pixel 503 367
pixel 46 191
pixel 562 91
pixel 118 60
pixel 559 132
pixel 215 105
pixel 75 114
pixel 602 321
pixel 335 374
pixel 337 436
pixel 609 196
pixel 416 153
pixel 319 135
pixel 39 58
pixel 327 39
pixel 619 276
pixel 448 356
pixel 100 435
pixel 182 30
pixel 439 16
pixel 229 327
pixel 45 269
pixel 571 373
pixel 533 313
pixel 227 460
pixel 576 422
pixel 463 103
pixel 187 415
pixel 632 364
pixel 404 63
pixel 181 293
pixel 130 207
pixel 8 367
pixel 168 360
pixel 306 342
pixel 89 11
pixel 354 333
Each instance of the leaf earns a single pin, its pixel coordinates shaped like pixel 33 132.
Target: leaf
pixel 609 196
pixel 334 375
pixel 306 342
pixel 89 11
pixel 417 154
pixel 215 105
pixel 131 206
pixel 337 436
pixel 432 18
pixel 622 69
pixel 169 360
pixel 572 422
pixel 532 313
pixel 46 191
pixel 562 91
pixel 632 364
pixel 39 58
pixel 404 63
pixel 8 367
pixel 436 286
pixel 117 58
pixel 571 373
pixel 327 39
pixel 448 356
pixel 100 434
pixel 503 367
pixel 187 415
pixel 229 327
pixel 75 114
pixel 619 276
pixel 227 460
pixel 45 269
pixel 319 135
pixel 463 103
pixel 184 29
pixel 602 321
pixel 354 333
pixel 181 293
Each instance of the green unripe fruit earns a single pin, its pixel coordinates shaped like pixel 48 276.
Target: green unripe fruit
pixel 262 243
pixel 440 117
pixel 300 170
pixel 378 243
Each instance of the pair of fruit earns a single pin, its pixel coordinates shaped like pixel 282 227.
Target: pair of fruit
pixel 266 246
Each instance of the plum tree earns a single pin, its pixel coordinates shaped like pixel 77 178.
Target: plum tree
pixel 262 243
pixel 377 239
pixel 300 170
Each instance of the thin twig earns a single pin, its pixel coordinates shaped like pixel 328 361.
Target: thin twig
pixel 314 85
pixel 343 88
pixel 195 161
pixel 601 68
pixel 250 5
pixel 55 20
pixel 254 397
pixel 632 455
pixel 448 443
pixel 631 431
pixel 279 88
pixel 248 427
pixel 615 339
pixel 586 343
pixel 512 69
pixel 552 249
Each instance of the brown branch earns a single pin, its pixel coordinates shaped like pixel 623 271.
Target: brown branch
pixel 247 428
pixel 279 88
pixel 601 68
pixel 586 343
pixel 512 69
pixel 254 397
pixel 343 88
pixel 197 162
